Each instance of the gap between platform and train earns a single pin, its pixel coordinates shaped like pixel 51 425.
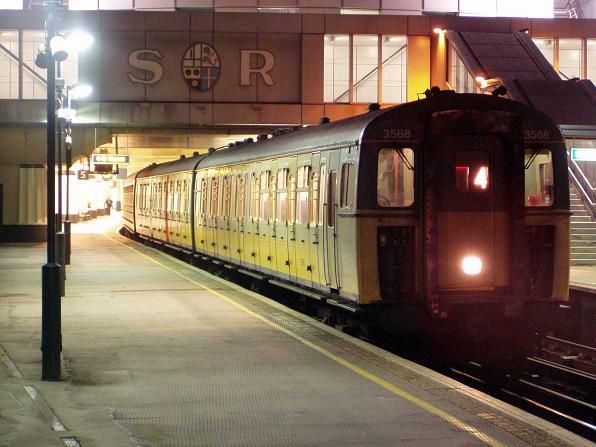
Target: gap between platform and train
pixel 489 440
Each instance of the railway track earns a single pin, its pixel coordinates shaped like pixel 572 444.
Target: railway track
pixel 557 383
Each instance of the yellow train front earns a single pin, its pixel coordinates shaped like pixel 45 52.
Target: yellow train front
pixel 446 215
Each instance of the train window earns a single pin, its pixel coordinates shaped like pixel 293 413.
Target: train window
pixel 331 199
pixel 264 193
pixel 346 194
pixel 226 197
pixel 203 203
pixel 395 177
pixel 255 198
pixel 314 198
pixel 472 171
pixel 214 196
pixel 539 180
pixel 292 183
pixel 240 203
pixel 281 214
pixel 302 185
pixel 322 193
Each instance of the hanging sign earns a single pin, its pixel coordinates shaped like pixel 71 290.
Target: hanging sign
pixel 109 159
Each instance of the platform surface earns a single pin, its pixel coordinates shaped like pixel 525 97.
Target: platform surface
pixel 159 353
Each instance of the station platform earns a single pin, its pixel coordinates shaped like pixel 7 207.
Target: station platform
pixel 159 353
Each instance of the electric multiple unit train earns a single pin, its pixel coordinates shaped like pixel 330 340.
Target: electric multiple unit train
pixel 444 209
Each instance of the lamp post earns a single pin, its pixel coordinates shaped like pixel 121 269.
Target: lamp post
pixel 51 330
pixel 51 325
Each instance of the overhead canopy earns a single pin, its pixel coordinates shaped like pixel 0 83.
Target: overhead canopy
pixel 514 61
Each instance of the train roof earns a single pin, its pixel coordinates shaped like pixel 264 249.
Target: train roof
pixel 182 164
pixel 346 131
pixel 339 133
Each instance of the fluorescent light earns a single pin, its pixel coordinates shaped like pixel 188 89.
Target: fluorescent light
pixel 79 40
pixel 80 91
pixel 11 4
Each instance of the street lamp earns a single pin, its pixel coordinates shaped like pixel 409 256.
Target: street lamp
pixel 55 50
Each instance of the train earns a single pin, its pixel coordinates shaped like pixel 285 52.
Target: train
pixel 450 212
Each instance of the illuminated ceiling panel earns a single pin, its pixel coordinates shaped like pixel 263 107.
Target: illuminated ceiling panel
pixel 526 8
pixel 11 4
pixel 82 5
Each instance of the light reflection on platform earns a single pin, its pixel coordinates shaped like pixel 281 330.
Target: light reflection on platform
pixel 99 225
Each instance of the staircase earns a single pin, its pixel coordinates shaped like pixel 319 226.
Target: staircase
pixel 583 233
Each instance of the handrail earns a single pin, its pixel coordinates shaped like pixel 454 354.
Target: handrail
pixel 16 59
pixel 584 188
pixel 370 73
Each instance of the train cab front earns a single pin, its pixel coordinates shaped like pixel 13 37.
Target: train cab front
pixel 484 238
pixel 496 220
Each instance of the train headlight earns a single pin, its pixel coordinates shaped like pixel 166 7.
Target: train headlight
pixel 471 265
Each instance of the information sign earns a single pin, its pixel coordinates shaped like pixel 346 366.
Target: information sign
pixel 583 153
pixel 110 159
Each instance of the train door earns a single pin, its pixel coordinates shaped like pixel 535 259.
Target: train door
pixel 319 273
pixel 155 208
pixel 265 232
pixel 243 207
pixel 466 212
pixel 280 219
pixel 300 185
pixel 223 220
pixel 291 239
pixel 330 221
pixel 187 209
pixel 251 228
pixel 234 248
pixel 214 193
pixel 201 211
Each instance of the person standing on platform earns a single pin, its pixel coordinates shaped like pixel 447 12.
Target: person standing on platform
pixel 108 206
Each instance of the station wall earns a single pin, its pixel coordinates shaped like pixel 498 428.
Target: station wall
pixel 270 71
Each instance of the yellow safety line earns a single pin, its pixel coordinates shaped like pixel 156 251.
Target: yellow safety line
pixel 351 366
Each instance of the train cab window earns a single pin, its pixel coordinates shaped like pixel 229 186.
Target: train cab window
pixel 264 193
pixel 472 171
pixel 539 180
pixel 281 212
pixel 395 177
pixel 346 191
pixel 302 185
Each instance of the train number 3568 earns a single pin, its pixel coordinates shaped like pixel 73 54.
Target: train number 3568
pixel 397 134
pixel 536 135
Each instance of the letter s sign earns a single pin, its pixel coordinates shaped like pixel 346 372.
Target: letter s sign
pixel 149 65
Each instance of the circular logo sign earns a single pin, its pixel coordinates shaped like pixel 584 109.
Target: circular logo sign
pixel 201 66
